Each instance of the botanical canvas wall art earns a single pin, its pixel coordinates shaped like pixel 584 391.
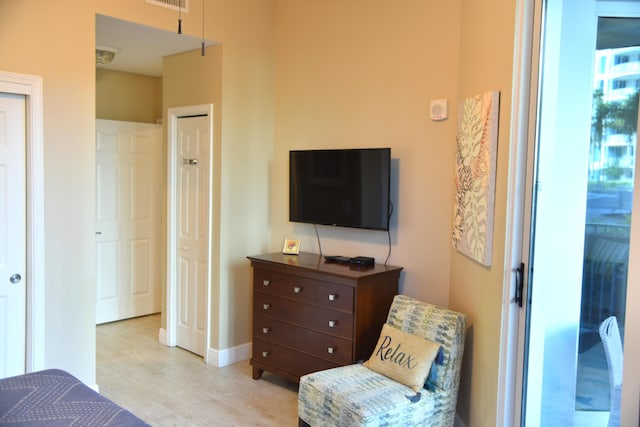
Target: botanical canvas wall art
pixel 477 142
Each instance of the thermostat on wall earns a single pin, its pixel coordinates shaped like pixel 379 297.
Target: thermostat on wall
pixel 438 109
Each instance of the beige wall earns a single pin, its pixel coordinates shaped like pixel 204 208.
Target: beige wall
pixel 246 157
pixel 246 137
pixel 28 31
pixel 291 74
pixel 486 55
pixel 361 74
pixel 128 96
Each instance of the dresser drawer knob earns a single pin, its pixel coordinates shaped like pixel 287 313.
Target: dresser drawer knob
pixel 265 330
pixel 266 306
pixel 332 323
pixel 266 282
pixel 333 297
pixel 297 289
pixel 331 350
pixel 265 354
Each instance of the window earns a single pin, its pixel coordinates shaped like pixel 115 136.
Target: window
pixel 621 59
pixel 602 64
pixel 619 84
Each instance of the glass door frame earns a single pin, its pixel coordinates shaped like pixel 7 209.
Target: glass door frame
pixel 518 228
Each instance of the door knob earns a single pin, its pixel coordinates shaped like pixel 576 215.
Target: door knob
pixel 15 278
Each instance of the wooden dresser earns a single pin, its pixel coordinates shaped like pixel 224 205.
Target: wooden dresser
pixel 310 315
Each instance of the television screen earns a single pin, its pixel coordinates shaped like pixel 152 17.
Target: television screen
pixel 348 187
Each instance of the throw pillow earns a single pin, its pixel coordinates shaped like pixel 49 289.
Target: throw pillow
pixel 403 357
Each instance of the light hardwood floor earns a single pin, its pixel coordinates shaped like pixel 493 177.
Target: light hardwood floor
pixel 168 386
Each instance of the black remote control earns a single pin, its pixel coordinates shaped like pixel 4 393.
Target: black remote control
pixel 337 258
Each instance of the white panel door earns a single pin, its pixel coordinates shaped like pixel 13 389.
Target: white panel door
pixel 193 232
pixel 128 223
pixel 12 235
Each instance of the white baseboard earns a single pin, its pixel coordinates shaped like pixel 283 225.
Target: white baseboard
pixel 228 356
pixel 162 336
pixel 215 357
pixel 458 422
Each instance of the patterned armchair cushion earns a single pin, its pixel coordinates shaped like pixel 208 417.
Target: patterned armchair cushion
pixel 437 324
pixel 354 395
pixel 357 396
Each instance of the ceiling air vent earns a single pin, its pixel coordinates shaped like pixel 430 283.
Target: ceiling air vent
pixel 171 4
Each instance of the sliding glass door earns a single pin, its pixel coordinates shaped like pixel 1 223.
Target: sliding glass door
pixel 582 187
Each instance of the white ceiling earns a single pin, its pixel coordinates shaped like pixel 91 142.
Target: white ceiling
pixel 141 47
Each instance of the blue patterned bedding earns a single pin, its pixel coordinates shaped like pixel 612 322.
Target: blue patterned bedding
pixel 55 398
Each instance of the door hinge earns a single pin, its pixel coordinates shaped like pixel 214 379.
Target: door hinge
pixel 519 284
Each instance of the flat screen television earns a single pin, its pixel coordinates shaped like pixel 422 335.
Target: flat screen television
pixel 344 187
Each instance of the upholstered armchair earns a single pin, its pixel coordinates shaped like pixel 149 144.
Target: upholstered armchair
pixel 356 395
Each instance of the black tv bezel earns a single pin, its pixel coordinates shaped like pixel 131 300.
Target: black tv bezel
pixel 359 227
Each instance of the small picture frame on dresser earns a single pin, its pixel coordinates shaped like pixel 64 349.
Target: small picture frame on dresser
pixel 291 246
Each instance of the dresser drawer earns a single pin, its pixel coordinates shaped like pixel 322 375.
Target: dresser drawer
pixel 304 315
pixel 266 354
pixel 329 347
pixel 335 296
pixel 285 285
pixel 299 288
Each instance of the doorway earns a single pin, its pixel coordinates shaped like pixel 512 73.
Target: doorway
pixel 577 251
pixel 145 49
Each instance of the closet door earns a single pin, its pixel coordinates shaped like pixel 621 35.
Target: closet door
pixel 128 223
pixel 13 231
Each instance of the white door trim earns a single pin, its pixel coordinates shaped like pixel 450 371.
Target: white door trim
pixel 31 88
pixel 509 393
pixel 172 179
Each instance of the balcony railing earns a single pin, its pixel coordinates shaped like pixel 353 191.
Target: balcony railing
pixel 632 67
pixel 604 274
